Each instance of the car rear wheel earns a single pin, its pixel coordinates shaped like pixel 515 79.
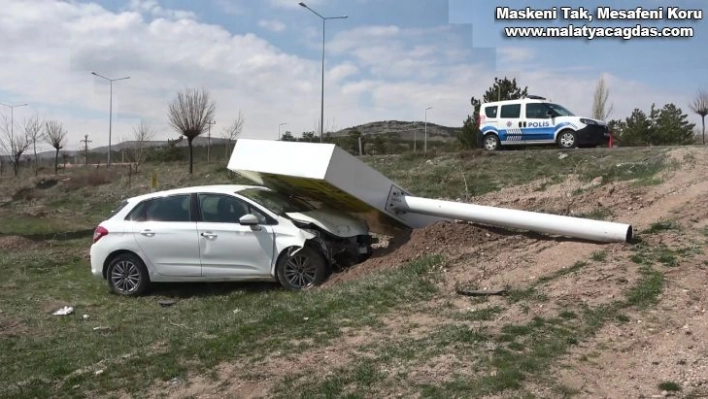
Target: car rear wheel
pixel 306 268
pixel 566 139
pixel 491 142
pixel 127 275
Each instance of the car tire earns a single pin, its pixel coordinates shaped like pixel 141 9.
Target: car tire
pixel 304 269
pixel 567 139
pixel 127 275
pixel 491 142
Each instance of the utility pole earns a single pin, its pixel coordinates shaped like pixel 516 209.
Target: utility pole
pixel 86 141
pixel 209 141
pixel 12 116
pixel 324 19
pixel 110 109
pixel 425 134
pixel 279 126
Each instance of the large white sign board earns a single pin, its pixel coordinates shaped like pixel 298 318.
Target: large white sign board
pixel 326 174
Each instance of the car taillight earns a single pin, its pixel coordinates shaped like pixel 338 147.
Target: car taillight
pixel 99 232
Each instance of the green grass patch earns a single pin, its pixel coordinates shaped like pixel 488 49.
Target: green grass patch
pixel 661 226
pixel 670 386
pixel 209 324
pixel 599 256
pixel 444 174
pixel 600 213
pixel 646 293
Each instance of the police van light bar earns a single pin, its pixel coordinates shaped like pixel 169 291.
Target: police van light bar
pixel 531 96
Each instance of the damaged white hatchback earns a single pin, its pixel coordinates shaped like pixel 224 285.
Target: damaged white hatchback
pixel 224 233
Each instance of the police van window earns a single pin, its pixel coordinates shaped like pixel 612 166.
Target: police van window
pixel 536 111
pixel 560 110
pixel 491 112
pixel 510 111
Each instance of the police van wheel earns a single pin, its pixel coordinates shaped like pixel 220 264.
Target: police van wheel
pixel 491 142
pixel 566 139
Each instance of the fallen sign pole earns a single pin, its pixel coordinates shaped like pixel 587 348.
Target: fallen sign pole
pixel 326 174
pixel 589 229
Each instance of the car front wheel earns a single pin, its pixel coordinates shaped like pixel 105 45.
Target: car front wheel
pixel 566 139
pixel 491 142
pixel 127 275
pixel 303 269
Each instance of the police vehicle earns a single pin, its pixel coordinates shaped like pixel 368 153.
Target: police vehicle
pixel 534 120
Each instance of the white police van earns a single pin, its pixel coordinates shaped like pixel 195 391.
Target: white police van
pixel 533 120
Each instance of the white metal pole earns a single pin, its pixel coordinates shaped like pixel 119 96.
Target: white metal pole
pixel 589 229
pixel 322 85
pixel 110 121
pixel 425 139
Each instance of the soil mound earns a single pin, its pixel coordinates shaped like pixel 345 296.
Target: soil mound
pixel 446 238
pixel 9 243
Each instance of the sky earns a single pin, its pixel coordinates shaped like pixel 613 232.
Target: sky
pixel 388 60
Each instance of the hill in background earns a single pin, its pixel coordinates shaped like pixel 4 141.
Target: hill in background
pixel 403 130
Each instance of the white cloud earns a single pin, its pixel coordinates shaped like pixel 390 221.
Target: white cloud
pixel 272 25
pixel 228 6
pixel 153 8
pixel 49 49
pixel 514 54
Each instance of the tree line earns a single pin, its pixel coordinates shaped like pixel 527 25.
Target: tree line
pixel 16 140
pixel 190 114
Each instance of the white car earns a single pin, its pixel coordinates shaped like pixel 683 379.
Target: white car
pixel 224 233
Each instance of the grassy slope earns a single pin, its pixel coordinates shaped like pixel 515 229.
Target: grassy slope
pixel 45 355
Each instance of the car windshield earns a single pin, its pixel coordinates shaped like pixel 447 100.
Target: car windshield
pixel 278 203
pixel 559 110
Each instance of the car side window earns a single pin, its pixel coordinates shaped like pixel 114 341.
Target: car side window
pixel 137 214
pixel 175 208
pixel 491 112
pixel 510 111
pixel 536 111
pixel 220 208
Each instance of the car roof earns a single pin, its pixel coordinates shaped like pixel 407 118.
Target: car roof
pixel 214 188
pixel 517 101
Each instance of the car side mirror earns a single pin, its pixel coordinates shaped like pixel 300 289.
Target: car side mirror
pixel 248 220
pixel 549 114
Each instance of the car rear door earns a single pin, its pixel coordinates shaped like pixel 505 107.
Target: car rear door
pixel 229 249
pixel 166 231
pixel 510 131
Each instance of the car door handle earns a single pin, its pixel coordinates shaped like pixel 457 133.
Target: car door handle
pixel 208 235
pixel 147 232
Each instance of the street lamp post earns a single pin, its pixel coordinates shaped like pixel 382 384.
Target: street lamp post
pixel 12 116
pixel 425 134
pixel 279 126
pixel 324 19
pixel 110 109
pixel 209 141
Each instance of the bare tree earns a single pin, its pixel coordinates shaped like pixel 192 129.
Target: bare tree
pixel 34 133
pixel 189 114
pixel 13 144
pixel 232 131
pixel 699 105
pixel 137 152
pixel 599 102
pixel 55 135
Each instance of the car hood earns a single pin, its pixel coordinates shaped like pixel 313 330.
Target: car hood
pixel 337 223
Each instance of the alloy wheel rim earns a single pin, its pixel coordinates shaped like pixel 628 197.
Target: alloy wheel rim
pixel 125 276
pixel 567 140
pixel 300 271
pixel 490 143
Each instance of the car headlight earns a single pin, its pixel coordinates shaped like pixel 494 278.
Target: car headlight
pixel 588 121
